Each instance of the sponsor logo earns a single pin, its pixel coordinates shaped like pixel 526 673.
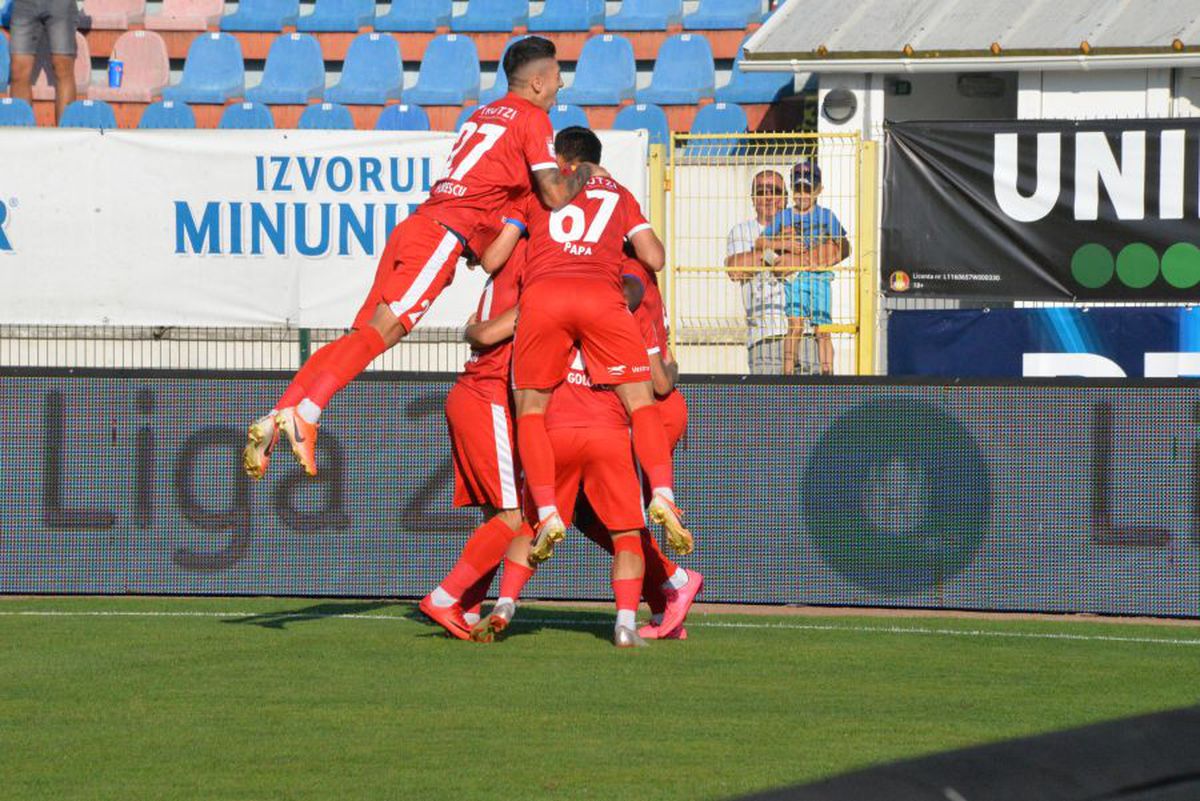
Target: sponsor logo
pixel 5 244
pixel 899 281
pixel 1137 265
pixel 640 369
pixel 617 370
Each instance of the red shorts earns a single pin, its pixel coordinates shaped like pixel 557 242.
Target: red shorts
pixel 418 262
pixel 556 313
pixel 673 410
pixel 481 442
pixel 602 461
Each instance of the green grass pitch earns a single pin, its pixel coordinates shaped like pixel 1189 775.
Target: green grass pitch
pixel 272 698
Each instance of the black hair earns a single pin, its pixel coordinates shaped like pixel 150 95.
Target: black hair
pixel 578 144
pixel 526 51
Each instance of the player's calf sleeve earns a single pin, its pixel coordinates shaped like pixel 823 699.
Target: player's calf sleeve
pixel 355 351
pixel 481 554
pixel 514 578
pixel 651 446
pixel 537 459
pixel 305 375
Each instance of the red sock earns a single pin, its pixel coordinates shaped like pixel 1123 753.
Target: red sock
pixel 627 591
pixel 658 568
pixel 651 446
pixel 357 350
pixel 514 579
pixel 537 458
pixel 475 594
pixel 304 376
pixel 482 553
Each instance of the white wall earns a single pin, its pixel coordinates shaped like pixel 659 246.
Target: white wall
pixel 1090 95
pixel 1187 93
pixel 937 96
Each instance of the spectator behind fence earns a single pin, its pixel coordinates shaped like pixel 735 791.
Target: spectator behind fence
pixel 57 21
pixel 801 240
pixel 763 292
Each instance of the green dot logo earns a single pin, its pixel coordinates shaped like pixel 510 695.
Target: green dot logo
pixel 1137 265
pixel 1092 266
pixel 897 496
pixel 1181 265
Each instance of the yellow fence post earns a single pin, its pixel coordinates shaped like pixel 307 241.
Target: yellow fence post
pixel 868 255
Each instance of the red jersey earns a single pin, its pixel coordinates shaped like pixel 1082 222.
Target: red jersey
pixel 586 237
pixel 577 403
pixel 487 371
pixel 491 164
pixel 652 301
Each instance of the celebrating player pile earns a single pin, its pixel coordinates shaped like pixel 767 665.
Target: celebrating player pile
pixel 557 224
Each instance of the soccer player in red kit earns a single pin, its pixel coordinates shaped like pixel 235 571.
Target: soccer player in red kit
pixel 571 295
pixel 505 150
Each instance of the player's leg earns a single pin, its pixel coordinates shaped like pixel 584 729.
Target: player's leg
pixel 537 458
pixel 473 598
pixel 628 569
pixel 263 434
pixel 517 573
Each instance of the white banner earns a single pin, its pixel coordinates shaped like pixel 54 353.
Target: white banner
pixel 220 228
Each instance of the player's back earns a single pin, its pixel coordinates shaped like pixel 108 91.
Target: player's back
pixel 586 237
pixel 577 403
pixel 492 162
pixel 487 370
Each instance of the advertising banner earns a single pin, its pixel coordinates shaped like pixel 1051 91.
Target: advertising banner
pixel 220 228
pixel 1142 342
pixel 1012 497
pixel 1043 209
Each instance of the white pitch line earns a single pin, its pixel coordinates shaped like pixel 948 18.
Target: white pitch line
pixel 922 631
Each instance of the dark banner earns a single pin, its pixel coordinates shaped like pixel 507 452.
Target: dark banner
pixel 1014 497
pixel 1143 342
pixel 1043 209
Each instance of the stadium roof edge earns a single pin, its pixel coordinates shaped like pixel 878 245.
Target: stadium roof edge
pixel 975 35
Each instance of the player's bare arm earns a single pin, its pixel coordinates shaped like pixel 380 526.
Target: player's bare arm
pixel 501 248
pixel 649 249
pixel 661 376
pixel 487 333
pixel 557 188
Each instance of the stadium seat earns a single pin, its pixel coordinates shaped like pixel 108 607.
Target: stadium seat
pixel 449 73
pixel 683 72
pixel 718 118
pixel 415 16
pixel 647 116
pixel 186 15
pixel 167 114
pixel 500 87
pixel 212 73
pixel 16 113
pixel 246 117
pixel 43 72
pixel 372 72
pixel 339 15
pixel 723 15
pixel 267 16
pixel 4 61
pixel 564 116
pixel 755 87
pixel 147 69
pixel 569 15
pixel 88 114
pixel 462 116
pixel 645 15
pixel 326 117
pixel 605 75
pixel 402 117
pixel 294 72
pixel 112 15
pixel 492 15
pixel 5 13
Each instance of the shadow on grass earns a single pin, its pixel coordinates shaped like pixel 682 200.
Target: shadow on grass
pixel 532 621
pixel 321 611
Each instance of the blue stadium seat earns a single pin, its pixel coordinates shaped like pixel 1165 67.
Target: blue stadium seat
pixel 723 15
pixel 402 117
pixel 492 15
pixel 373 72
pixel 569 15
pixel 683 72
pixel 462 116
pixel 326 117
pixel 644 115
pixel 449 73
pixel 755 87
pixel 246 117
pixel 500 88
pixel 339 15
pixel 4 60
pixel 16 113
pixel 718 118
pixel 167 114
pixel 564 116
pixel 294 73
pixel 88 114
pixel 645 15
pixel 605 75
pixel 415 15
pixel 5 13
pixel 270 16
pixel 212 73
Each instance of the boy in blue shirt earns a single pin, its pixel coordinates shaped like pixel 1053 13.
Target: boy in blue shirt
pixel 806 238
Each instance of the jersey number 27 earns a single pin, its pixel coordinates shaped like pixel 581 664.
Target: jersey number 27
pixel 490 134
